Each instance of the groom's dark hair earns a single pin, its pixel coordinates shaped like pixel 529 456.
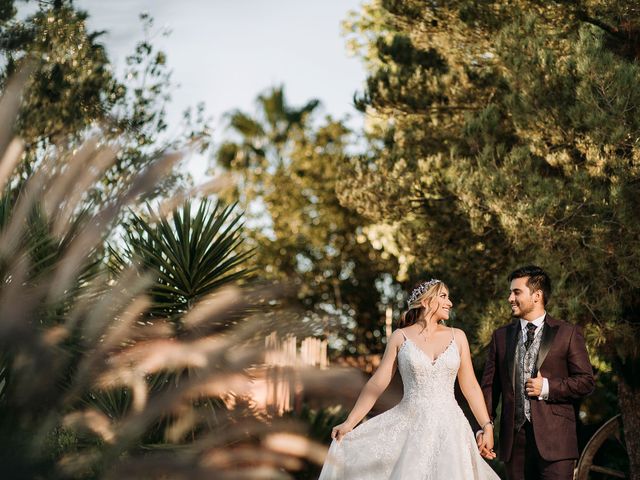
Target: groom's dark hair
pixel 538 280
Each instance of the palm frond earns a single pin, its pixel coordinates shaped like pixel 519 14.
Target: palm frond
pixel 190 254
pixel 245 125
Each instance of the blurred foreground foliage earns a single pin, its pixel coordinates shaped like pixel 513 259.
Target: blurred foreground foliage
pixel 116 361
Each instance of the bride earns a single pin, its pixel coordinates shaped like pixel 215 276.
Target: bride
pixel 425 436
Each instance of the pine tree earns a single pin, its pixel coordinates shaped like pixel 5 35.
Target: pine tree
pixel 509 135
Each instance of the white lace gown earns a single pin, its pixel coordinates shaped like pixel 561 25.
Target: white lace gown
pixel 425 437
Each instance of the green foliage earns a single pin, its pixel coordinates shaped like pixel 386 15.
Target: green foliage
pixel 524 151
pixel 320 422
pixel 43 248
pixel 288 168
pixel 74 93
pixel 188 255
pixel 408 78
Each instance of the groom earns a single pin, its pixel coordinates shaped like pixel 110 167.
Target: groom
pixel 540 367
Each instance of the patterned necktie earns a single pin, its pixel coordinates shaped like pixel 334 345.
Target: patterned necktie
pixel 531 333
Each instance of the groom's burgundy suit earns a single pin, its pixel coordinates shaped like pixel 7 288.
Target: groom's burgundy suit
pixel 563 361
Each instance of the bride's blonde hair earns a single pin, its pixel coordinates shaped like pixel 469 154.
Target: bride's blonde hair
pixel 416 311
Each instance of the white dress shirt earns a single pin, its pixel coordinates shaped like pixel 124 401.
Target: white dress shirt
pixel 538 323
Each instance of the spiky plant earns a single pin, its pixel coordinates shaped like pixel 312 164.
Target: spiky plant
pixel 186 256
pixel 189 255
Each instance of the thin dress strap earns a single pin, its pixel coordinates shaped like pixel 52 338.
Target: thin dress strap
pixel 453 334
pixel 402 332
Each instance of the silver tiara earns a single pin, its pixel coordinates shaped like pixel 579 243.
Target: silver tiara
pixel 420 289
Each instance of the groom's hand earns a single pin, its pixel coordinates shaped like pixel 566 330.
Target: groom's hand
pixel 533 386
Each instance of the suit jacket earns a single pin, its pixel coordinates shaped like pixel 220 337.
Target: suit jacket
pixel 564 361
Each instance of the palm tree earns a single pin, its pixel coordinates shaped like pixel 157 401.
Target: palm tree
pixel 264 140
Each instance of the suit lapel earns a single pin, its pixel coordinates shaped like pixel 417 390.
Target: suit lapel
pixel 510 353
pixel 548 334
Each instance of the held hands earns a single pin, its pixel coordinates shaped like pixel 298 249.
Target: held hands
pixel 485 443
pixel 533 386
pixel 340 431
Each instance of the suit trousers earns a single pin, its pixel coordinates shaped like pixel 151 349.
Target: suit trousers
pixel 527 464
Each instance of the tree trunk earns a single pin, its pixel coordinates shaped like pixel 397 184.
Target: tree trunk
pixel 629 399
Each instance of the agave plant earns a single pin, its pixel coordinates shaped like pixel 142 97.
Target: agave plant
pixel 187 256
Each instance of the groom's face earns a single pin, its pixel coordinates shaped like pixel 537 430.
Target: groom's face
pixel 520 297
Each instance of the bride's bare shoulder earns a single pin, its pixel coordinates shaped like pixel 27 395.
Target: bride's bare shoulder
pixel 397 337
pixel 459 332
pixel 442 328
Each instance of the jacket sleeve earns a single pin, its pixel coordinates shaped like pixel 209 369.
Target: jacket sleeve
pixel 580 382
pixel 490 383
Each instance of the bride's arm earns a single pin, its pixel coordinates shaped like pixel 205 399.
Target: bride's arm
pixel 473 393
pixel 373 388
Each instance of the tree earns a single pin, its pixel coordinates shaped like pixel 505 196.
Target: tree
pixel 407 183
pixel 510 132
pixel 288 169
pixel 74 93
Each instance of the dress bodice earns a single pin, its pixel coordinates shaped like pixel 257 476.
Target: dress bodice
pixel 425 378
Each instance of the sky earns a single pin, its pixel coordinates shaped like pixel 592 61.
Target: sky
pixel 225 52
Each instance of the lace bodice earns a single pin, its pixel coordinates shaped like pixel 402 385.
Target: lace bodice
pixel 425 379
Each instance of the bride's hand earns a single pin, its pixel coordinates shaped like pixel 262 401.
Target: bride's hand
pixel 340 431
pixel 485 444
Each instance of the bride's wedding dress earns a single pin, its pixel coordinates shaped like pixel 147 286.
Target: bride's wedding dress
pixel 426 436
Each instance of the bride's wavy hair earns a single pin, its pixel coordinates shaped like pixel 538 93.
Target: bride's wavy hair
pixel 416 311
